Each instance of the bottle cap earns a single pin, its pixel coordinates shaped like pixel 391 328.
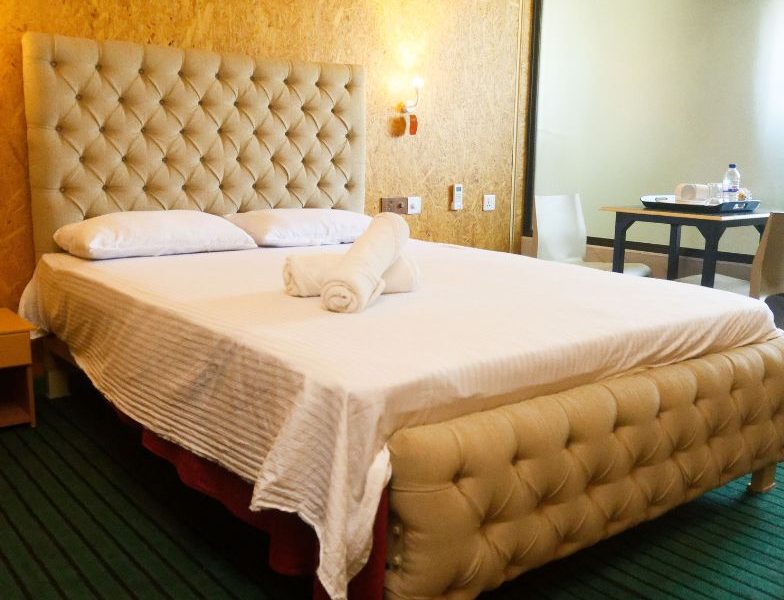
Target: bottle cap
pixel 733 165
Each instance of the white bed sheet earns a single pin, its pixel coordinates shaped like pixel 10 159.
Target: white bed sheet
pixel 207 351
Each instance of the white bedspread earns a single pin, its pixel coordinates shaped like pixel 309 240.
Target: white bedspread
pixel 208 351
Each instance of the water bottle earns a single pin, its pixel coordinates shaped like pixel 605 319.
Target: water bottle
pixel 731 183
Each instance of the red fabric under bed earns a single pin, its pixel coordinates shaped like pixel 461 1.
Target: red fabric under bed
pixel 293 546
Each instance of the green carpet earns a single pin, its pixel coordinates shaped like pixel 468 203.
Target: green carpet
pixel 85 512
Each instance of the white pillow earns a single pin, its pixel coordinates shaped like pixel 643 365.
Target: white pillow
pixel 150 233
pixel 301 226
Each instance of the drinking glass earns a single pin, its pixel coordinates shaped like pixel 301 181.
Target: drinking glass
pixel 714 191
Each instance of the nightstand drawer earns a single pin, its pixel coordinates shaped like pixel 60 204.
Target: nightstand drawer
pixel 15 349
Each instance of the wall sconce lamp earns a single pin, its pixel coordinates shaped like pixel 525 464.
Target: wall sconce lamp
pixel 408 107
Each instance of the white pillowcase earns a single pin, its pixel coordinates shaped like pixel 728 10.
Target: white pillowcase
pixel 150 233
pixel 284 227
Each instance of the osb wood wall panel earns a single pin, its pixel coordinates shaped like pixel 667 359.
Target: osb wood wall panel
pixel 466 51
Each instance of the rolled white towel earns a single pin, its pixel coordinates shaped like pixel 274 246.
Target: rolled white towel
pixel 304 274
pixel 357 281
pixel 688 192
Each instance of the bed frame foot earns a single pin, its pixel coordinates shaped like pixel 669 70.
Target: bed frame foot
pixel 57 363
pixel 763 480
pixel 57 383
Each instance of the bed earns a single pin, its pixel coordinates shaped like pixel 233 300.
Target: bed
pixel 550 413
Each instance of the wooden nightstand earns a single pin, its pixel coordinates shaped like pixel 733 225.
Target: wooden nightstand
pixel 17 404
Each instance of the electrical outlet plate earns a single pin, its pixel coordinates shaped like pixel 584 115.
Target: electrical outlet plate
pixel 457 196
pixel 395 204
pixel 489 202
pixel 402 205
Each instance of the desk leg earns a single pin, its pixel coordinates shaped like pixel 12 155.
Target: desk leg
pixel 674 255
pixel 712 234
pixel 622 224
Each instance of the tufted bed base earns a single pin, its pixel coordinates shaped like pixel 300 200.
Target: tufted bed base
pixel 507 490
pixel 510 489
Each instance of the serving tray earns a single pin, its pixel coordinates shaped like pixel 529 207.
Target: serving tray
pixel 667 203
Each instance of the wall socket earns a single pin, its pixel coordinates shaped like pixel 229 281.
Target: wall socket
pixel 457 196
pixel 402 205
pixel 395 204
pixel 489 202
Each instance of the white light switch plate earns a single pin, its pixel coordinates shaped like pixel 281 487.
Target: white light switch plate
pixel 414 205
pixel 489 202
pixel 457 196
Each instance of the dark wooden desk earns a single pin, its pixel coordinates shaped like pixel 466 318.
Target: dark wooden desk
pixel 712 227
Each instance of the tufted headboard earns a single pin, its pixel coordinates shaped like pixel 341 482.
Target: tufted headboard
pixel 117 126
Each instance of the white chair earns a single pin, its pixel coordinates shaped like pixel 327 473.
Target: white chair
pixel 767 270
pixel 560 234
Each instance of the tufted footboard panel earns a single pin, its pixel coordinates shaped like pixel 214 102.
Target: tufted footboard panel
pixel 482 498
